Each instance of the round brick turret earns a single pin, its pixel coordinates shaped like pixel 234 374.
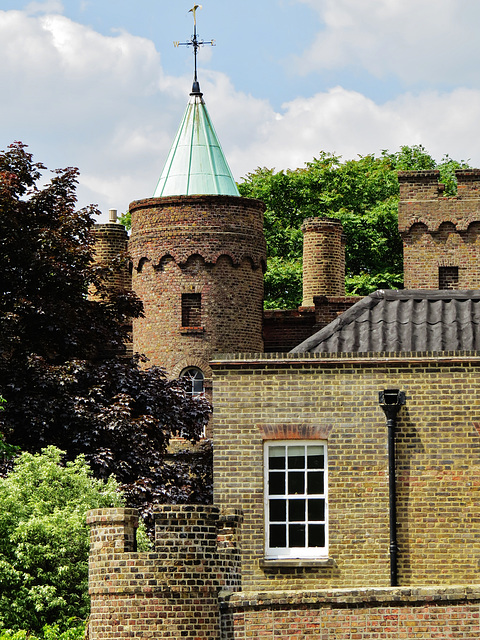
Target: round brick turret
pixel 323 259
pixel 198 268
pixel 111 240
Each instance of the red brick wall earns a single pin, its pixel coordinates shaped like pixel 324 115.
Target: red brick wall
pixel 284 329
pixel 420 613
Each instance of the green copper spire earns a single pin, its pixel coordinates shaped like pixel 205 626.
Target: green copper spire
pixel 196 164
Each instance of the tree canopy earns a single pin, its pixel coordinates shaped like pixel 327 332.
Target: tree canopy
pixel 362 193
pixel 44 538
pixel 61 374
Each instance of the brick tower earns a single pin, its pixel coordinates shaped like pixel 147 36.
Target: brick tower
pixel 198 270
pixel 198 252
pixel 441 235
pixel 111 241
pixel 323 259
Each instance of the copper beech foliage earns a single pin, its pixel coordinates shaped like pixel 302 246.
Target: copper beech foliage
pixel 62 372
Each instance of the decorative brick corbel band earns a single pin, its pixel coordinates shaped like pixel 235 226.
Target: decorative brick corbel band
pixel 295 431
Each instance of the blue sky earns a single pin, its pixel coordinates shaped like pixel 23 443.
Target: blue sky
pixel 98 84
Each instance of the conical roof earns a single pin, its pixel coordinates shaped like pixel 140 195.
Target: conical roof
pixel 196 164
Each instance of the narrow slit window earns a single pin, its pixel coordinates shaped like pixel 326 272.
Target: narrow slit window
pixel 191 309
pixel 448 278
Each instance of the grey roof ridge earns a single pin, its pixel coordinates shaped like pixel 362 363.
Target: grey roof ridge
pixel 345 318
pixel 370 301
pixel 431 294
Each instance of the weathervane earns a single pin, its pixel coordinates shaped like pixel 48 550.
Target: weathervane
pixel 196 43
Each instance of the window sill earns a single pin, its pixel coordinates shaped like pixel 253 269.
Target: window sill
pixel 272 563
pixel 197 330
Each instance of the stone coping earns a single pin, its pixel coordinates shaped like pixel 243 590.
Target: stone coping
pixel 374 596
pixel 372 357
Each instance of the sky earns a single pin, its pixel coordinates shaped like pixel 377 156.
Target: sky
pixel 99 85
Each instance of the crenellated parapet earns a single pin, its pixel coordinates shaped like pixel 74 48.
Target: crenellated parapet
pixel 422 200
pixel 171 592
pixel 441 234
pixel 209 226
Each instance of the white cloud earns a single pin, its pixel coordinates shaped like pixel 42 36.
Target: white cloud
pixel 348 123
pixel 97 102
pixel 106 105
pixel 428 41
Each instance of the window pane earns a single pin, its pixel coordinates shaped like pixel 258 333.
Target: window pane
pixel 276 457
pixel 296 457
pixel 316 535
pixel 278 535
pixel 296 535
pixel 316 509
pixel 197 387
pixel 276 483
pixel 296 482
pixel 278 510
pixel 315 482
pixel 296 510
pixel 315 457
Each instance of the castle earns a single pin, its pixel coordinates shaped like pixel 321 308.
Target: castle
pixel 346 471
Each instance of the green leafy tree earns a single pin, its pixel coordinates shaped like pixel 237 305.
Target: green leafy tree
pixel 44 539
pixel 74 630
pixel 60 371
pixel 362 194
pixel 126 220
pixel 7 451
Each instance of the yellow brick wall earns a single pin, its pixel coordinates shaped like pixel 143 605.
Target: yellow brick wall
pixel 438 462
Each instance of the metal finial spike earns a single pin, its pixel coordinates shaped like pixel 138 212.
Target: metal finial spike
pixel 196 44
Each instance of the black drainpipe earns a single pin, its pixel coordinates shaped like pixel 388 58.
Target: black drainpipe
pixel 391 400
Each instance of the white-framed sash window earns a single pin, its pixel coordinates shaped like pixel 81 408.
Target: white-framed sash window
pixel 296 507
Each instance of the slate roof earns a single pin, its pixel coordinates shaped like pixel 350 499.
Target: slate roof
pixel 408 320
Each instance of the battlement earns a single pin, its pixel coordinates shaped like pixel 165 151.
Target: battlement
pixel 419 185
pixel 425 185
pixel 173 591
pixel 468 183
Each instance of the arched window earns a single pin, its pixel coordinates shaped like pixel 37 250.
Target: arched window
pixel 196 380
